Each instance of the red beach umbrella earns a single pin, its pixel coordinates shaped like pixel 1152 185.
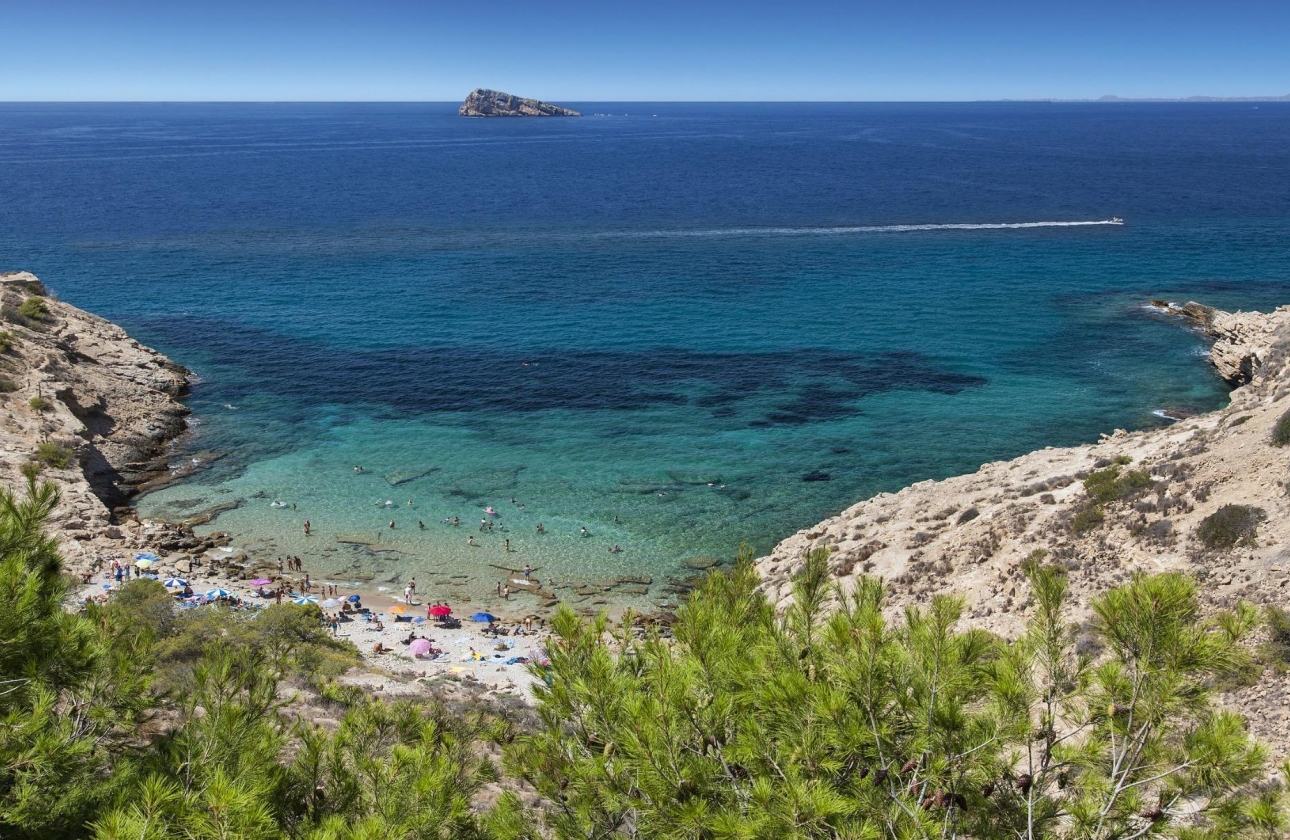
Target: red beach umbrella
pixel 440 610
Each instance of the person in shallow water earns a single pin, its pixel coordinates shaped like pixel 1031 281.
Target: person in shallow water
pixel 584 530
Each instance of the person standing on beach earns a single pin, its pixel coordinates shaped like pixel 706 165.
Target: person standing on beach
pixel 279 565
pixel 407 594
pixel 499 587
pixel 528 571
pixel 508 545
pixel 412 584
pixel 506 593
pixel 306 527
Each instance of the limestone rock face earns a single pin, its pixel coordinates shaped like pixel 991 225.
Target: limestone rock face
pixel 483 102
pixel 107 402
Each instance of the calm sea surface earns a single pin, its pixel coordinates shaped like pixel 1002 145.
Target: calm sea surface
pixel 657 325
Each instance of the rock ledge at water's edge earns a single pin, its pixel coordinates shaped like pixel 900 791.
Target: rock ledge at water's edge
pixel 109 405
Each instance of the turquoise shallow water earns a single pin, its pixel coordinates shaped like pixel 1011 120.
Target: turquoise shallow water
pixel 655 328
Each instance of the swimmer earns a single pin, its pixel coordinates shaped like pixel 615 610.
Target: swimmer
pixel 421 525
pixel 409 503
pixel 391 523
pixel 470 540
pixel 541 529
pixel 584 530
pixel 357 468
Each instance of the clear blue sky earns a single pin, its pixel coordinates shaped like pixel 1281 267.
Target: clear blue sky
pixel 661 50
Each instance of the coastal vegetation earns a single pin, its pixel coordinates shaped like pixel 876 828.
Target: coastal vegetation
pixel 34 309
pixel 54 454
pixel 7 341
pixel 1281 431
pixel 39 403
pixel 1229 526
pixel 1104 486
pixel 828 719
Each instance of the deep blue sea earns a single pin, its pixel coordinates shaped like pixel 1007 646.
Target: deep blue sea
pixel 655 324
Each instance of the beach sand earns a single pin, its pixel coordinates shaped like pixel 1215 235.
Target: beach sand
pixel 467 654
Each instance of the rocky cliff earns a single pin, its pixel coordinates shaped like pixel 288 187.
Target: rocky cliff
pixel 1142 501
pixel 92 406
pixel 483 102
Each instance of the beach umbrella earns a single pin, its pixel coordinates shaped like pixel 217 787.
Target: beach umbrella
pixel 398 608
pixel 217 593
pixel 330 604
pixel 144 563
pixel 261 582
pixel 354 599
pixel 440 610
pixel 419 620
pixel 419 647
pixel 107 586
pixel 483 617
pixel 146 555
pixel 305 599
pixel 173 582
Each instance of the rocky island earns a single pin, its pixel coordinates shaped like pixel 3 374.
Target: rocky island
pixel 483 102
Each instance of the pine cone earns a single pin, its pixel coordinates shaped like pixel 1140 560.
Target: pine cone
pixel 1023 783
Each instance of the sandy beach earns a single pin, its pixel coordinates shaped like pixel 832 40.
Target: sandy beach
pixel 465 653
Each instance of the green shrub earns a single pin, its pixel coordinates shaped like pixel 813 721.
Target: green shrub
pixel 30 470
pixel 7 341
pixel 1109 485
pixel 54 454
pixel 1281 431
pixel 1229 526
pixel 34 308
pixel 40 404
pixel 8 386
pixel 1276 650
pixel 1087 518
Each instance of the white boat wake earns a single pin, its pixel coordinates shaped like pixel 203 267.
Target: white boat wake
pixel 853 229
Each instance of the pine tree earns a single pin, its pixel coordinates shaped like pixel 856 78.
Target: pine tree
pixel 834 721
pixel 71 695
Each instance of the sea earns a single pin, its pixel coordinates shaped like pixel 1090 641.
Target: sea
pixel 661 331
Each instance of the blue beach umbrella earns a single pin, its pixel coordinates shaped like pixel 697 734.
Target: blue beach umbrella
pixel 146 555
pixel 217 593
pixel 420 620
pixel 305 599
pixel 107 586
pixel 174 582
pixel 483 617
pixel 354 599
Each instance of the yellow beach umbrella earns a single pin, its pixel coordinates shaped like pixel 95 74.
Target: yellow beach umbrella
pixel 398 608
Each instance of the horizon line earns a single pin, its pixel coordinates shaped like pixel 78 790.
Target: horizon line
pixel 1106 99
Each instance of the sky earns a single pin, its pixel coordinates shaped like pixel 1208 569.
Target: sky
pixel 790 50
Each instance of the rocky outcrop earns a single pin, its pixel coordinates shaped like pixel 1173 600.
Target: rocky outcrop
pixel 973 535
pixel 102 406
pixel 483 102
pixel 1239 337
